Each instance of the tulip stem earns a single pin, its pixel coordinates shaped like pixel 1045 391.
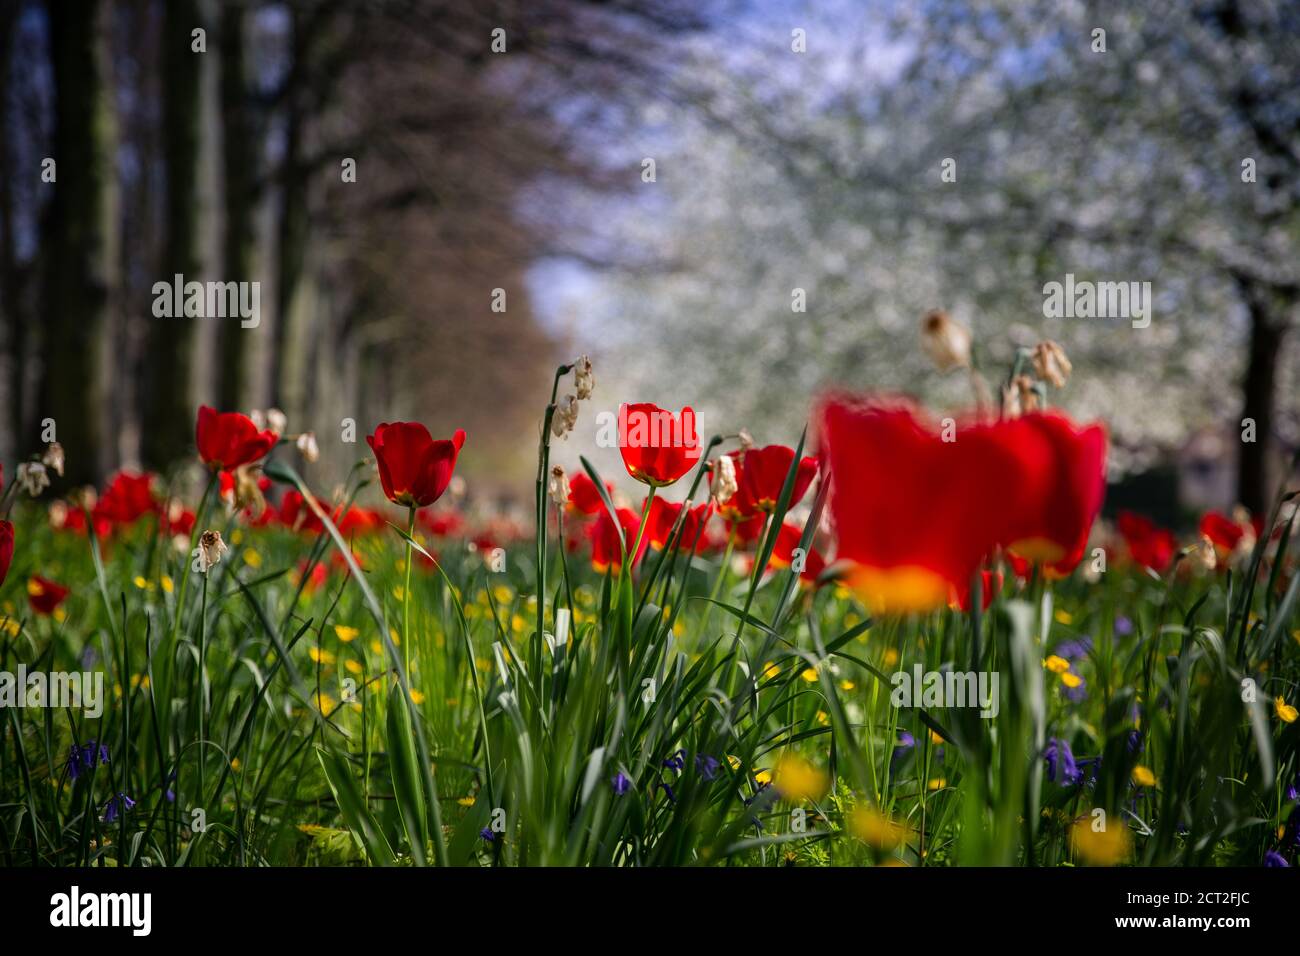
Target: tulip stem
pixel 406 591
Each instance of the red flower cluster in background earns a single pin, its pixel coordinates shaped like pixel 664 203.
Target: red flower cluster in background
pixel 1148 544
pixel 916 515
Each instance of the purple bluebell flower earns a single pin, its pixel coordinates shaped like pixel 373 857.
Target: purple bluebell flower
pixel 677 761
pixel 1134 742
pixel 487 834
pixel 706 766
pixel 116 806
pixel 1076 694
pixel 1293 791
pixel 1274 859
pixel 1123 626
pixel 901 749
pixel 1075 649
pixel 672 797
pixel 1060 763
pixel 620 783
pixel 85 756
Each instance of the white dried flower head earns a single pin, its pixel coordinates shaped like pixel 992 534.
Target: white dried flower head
pixel 53 458
pixel 32 477
pixel 945 342
pixel 211 550
pixel 746 439
pixel 557 486
pixel 58 514
pixel 1205 555
pixel 1051 364
pixel 277 421
pixel 1027 393
pixel 258 418
pixel 584 381
pixel 565 417
pixel 307 446
pixel 722 483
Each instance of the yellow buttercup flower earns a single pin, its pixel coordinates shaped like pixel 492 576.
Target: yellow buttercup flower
pixel 877 829
pixel 417 697
pixel 1143 776
pixel 797 779
pixel 1071 680
pixel 1064 617
pixel 1285 712
pixel 1106 847
pixel 354 667
pixel 1057 665
pixel 938 783
pixel 891 657
pixel 847 685
pixel 252 558
pixel 345 634
pixel 167 584
pixel 466 801
pixel 809 674
pixel 320 656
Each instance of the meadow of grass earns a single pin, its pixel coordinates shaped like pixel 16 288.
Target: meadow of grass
pixel 399 691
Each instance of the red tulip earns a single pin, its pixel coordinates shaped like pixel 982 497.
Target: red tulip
pixel 413 468
pixel 916 514
pixel 44 595
pixel 990 584
pixel 605 550
pixel 229 439
pixel 296 514
pixel 787 540
pixel 657 447
pixel 1224 533
pixel 761 476
pixel 6 548
pixel 664 515
pixel 442 524
pixel 128 497
pixel 741 505
pixel 745 531
pixel 1150 546
pixel 1064 472
pixel 584 495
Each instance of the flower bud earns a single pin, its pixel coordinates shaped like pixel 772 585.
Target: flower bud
pixel 565 417
pixel 557 487
pixel 583 378
pixel 722 484
pixel 276 421
pixel 307 446
pixel 1051 364
pixel 945 342
pixel 53 458
pixel 211 549
pixel 32 477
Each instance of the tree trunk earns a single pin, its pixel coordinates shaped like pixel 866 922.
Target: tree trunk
pixel 79 235
pixel 237 170
pixel 169 419
pixel 1267 331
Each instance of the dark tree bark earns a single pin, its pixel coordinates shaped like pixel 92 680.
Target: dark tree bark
pixel 237 170
pixel 1259 392
pixel 168 417
pixel 78 235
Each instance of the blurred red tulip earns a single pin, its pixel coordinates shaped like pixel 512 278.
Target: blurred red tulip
pixel 229 439
pixel 603 534
pixel 664 514
pixel 1150 546
pixel 1064 472
pixel 44 595
pixel 916 514
pixel 990 584
pixel 787 540
pixel 128 498
pixel 413 468
pixel 761 476
pixel 658 448
pixel 6 548
pixel 584 496
pixel 294 513
pixel 1223 532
